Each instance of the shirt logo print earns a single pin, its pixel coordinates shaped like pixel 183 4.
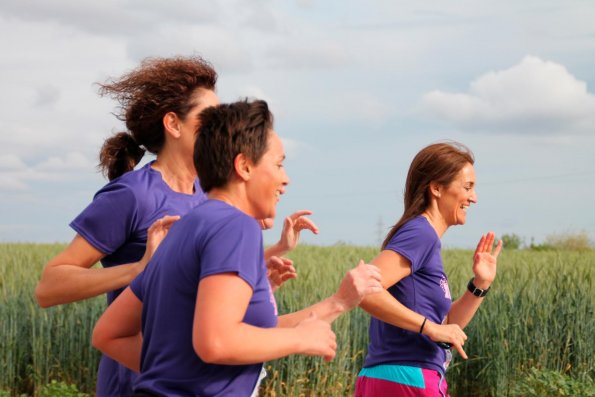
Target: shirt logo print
pixel 445 289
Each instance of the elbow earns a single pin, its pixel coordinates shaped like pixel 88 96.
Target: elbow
pixel 98 338
pixel 212 351
pixel 42 297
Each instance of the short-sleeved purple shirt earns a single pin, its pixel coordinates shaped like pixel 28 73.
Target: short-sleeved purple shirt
pixel 425 291
pixel 211 239
pixel 116 223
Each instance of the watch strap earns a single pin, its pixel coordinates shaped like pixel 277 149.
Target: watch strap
pixel 480 293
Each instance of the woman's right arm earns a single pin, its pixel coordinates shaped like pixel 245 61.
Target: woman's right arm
pixel 220 336
pixel 68 277
pixel 394 267
pixel 118 332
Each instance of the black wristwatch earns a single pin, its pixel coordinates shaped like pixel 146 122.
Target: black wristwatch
pixel 480 293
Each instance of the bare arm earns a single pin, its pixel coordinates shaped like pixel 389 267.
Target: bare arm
pixel 484 269
pixel 385 307
pixel 68 277
pixel 117 333
pixel 221 337
pixel 357 283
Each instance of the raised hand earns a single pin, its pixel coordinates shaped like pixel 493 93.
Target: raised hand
pixel 279 270
pixel 485 260
pixel 358 282
pixel 292 226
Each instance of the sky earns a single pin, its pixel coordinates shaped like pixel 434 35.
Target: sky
pixel 357 89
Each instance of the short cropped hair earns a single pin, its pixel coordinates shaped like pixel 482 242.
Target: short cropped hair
pixel 224 132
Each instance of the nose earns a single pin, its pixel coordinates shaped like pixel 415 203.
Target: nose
pixel 285 180
pixel 473 197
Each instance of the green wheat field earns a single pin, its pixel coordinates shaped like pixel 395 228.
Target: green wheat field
pixel 538 315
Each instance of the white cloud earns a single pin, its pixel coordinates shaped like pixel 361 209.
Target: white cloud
pixel 11 162
pixel 70 162
pixel 534 96
pixel 294 148
pixel 47 95
pixel 112 17
pixel 303 54
pixel 10 183
pixel 16 175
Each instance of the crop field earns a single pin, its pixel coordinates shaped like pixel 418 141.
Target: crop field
pixel 538 315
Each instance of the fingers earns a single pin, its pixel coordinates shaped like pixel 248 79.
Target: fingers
pixel 372 273
pixel 305 223
pixel 164 222
pixel 486 243
pixel 280 264
pixel 300 213
pixel 279 271
pixel 489 242
pixel 479 247
pixel 461 351
pixel 299 222
pixel 498 248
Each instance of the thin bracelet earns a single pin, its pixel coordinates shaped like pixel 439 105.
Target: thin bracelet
pixel 422 325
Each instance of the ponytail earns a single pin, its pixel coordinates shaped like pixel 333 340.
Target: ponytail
pixel 119 154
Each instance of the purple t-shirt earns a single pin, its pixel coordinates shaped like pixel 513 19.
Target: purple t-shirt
pixel 425 291
pixel 116 223
pixel 211 239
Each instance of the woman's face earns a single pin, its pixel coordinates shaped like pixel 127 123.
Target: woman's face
pixel 455 199
pixel 268 180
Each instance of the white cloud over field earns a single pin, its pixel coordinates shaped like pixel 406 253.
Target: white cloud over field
pixel 533 97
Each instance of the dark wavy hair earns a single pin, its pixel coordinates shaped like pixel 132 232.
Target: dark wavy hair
pixel 439 163
pixel 158 86
pixel 224 132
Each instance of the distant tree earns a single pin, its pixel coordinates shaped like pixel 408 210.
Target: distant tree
pixel 577 241
pixel 511 241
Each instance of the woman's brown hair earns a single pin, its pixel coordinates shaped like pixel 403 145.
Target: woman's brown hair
pixel 439 163
pixel 226 131
pixel 158 86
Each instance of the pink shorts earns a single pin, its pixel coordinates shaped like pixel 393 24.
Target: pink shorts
pixel 400 380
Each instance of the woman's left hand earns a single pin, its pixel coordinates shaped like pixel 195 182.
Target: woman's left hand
pixel 279 270
pixel 292 226
pixel 485 260
pixel 362 280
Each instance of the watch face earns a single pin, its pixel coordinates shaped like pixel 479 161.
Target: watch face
pixel 476 291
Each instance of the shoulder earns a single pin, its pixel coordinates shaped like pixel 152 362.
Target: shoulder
pixel 418 229
pixel 220 217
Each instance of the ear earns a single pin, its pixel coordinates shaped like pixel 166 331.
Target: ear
pixel 435 189
pixel 243 166
pixel 171 124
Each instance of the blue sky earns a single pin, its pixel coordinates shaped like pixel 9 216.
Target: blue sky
pixel 357 88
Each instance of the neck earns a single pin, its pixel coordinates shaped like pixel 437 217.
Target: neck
pixel 436 221
pixel 232 195
pixel 178 173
